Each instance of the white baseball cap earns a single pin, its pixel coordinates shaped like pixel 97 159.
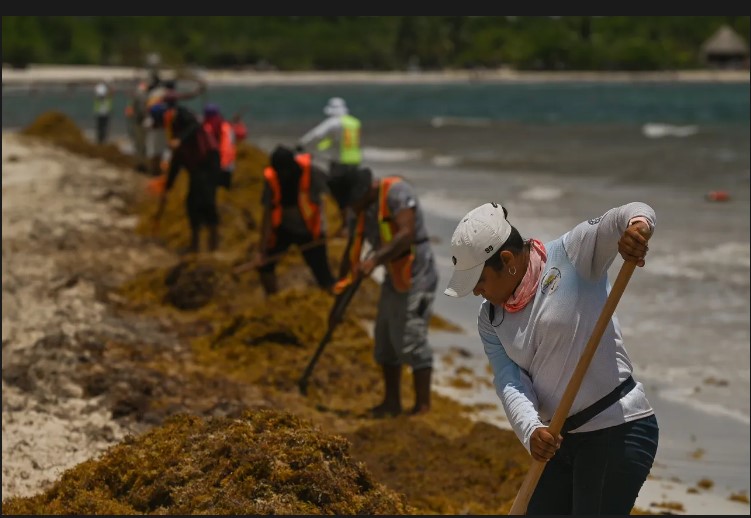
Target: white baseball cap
pixel 480 233
pixel 336 107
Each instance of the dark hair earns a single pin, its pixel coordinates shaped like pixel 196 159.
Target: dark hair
pixel 283 160
pixel 514 244
pixel 288 172
pixel 349 186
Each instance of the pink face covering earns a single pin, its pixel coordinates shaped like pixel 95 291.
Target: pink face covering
pixel 528 287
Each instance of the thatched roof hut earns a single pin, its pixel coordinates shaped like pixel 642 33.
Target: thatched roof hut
pixel 725 49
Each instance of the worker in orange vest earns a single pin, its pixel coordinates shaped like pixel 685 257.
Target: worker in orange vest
pixel 292 214
pixel 388 215
pixel 224 134
pixel 195 150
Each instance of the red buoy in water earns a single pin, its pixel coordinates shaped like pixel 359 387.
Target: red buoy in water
pixel 717 196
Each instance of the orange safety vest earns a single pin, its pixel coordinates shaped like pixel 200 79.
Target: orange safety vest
pixel 169 116
pixel 400 269
pixel 311 212
pixel 241 131
pixel 226 143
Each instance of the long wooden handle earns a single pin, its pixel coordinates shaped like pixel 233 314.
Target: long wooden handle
pixel 336 314
pixel 250 265
pixel 556 423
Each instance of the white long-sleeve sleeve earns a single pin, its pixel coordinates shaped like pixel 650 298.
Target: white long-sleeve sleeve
pixel 593 245
pixel 512 384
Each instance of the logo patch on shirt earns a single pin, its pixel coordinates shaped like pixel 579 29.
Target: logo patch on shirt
pixel 594 221
pixel 550 280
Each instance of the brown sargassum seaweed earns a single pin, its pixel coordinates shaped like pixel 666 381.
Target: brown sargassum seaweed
pixel 225 430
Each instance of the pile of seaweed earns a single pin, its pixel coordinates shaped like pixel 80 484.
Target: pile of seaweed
pixel 265 462
pixel 237 352
pixel 58 128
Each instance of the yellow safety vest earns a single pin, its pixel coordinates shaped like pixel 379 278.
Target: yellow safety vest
pixel 349 147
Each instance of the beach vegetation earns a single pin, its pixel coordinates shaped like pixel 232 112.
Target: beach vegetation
pixel 374 43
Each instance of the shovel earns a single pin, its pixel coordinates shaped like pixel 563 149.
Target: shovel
pixel 335 316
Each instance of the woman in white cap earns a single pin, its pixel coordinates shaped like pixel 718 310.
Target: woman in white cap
pixel 541 304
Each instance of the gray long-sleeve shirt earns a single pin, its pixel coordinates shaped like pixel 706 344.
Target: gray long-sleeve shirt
pixel 534 352
pixel 330 127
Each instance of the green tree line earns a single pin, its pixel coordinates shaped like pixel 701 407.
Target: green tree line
pixel 367 42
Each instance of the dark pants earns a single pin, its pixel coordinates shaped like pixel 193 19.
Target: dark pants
pixel 102 128
pixel 337 168
pixel 316 257
pixel 224 179
pixel 598 472
pixel 200 203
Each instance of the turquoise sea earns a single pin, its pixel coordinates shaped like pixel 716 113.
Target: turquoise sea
pixel 556 154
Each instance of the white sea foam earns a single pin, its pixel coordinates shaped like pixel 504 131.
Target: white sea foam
pixel 695 265
pixel 659 130
pixel 438 122
pixel 447 204
pixel 377 154
pixel 687 395
pixel 541 194
pixel 445 160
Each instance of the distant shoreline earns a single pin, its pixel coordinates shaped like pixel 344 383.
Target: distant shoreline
pixel 41 75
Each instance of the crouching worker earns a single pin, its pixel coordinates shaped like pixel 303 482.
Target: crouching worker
pixel 388 215
pixel 292 214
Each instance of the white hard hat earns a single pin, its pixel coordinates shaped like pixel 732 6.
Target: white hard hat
pixel 101 89
pixel 335 107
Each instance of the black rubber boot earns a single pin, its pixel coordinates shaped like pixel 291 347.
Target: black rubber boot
pixel 392 401
pixel 422 390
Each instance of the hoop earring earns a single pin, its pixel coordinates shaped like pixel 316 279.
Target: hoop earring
pixel 512 270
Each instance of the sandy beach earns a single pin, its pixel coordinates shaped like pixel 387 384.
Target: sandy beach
pixel 39 75
pixel 46 431
pixel 57 209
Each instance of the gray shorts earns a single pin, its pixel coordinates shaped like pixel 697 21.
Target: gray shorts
pixel 156 142
pixel 401 328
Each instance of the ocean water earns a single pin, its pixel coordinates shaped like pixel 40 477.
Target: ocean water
pixel 555 155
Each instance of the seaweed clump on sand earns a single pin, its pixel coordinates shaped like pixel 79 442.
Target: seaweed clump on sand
pixel 59 129
pixel 266 462
pixel 236 349
pixel 190 285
